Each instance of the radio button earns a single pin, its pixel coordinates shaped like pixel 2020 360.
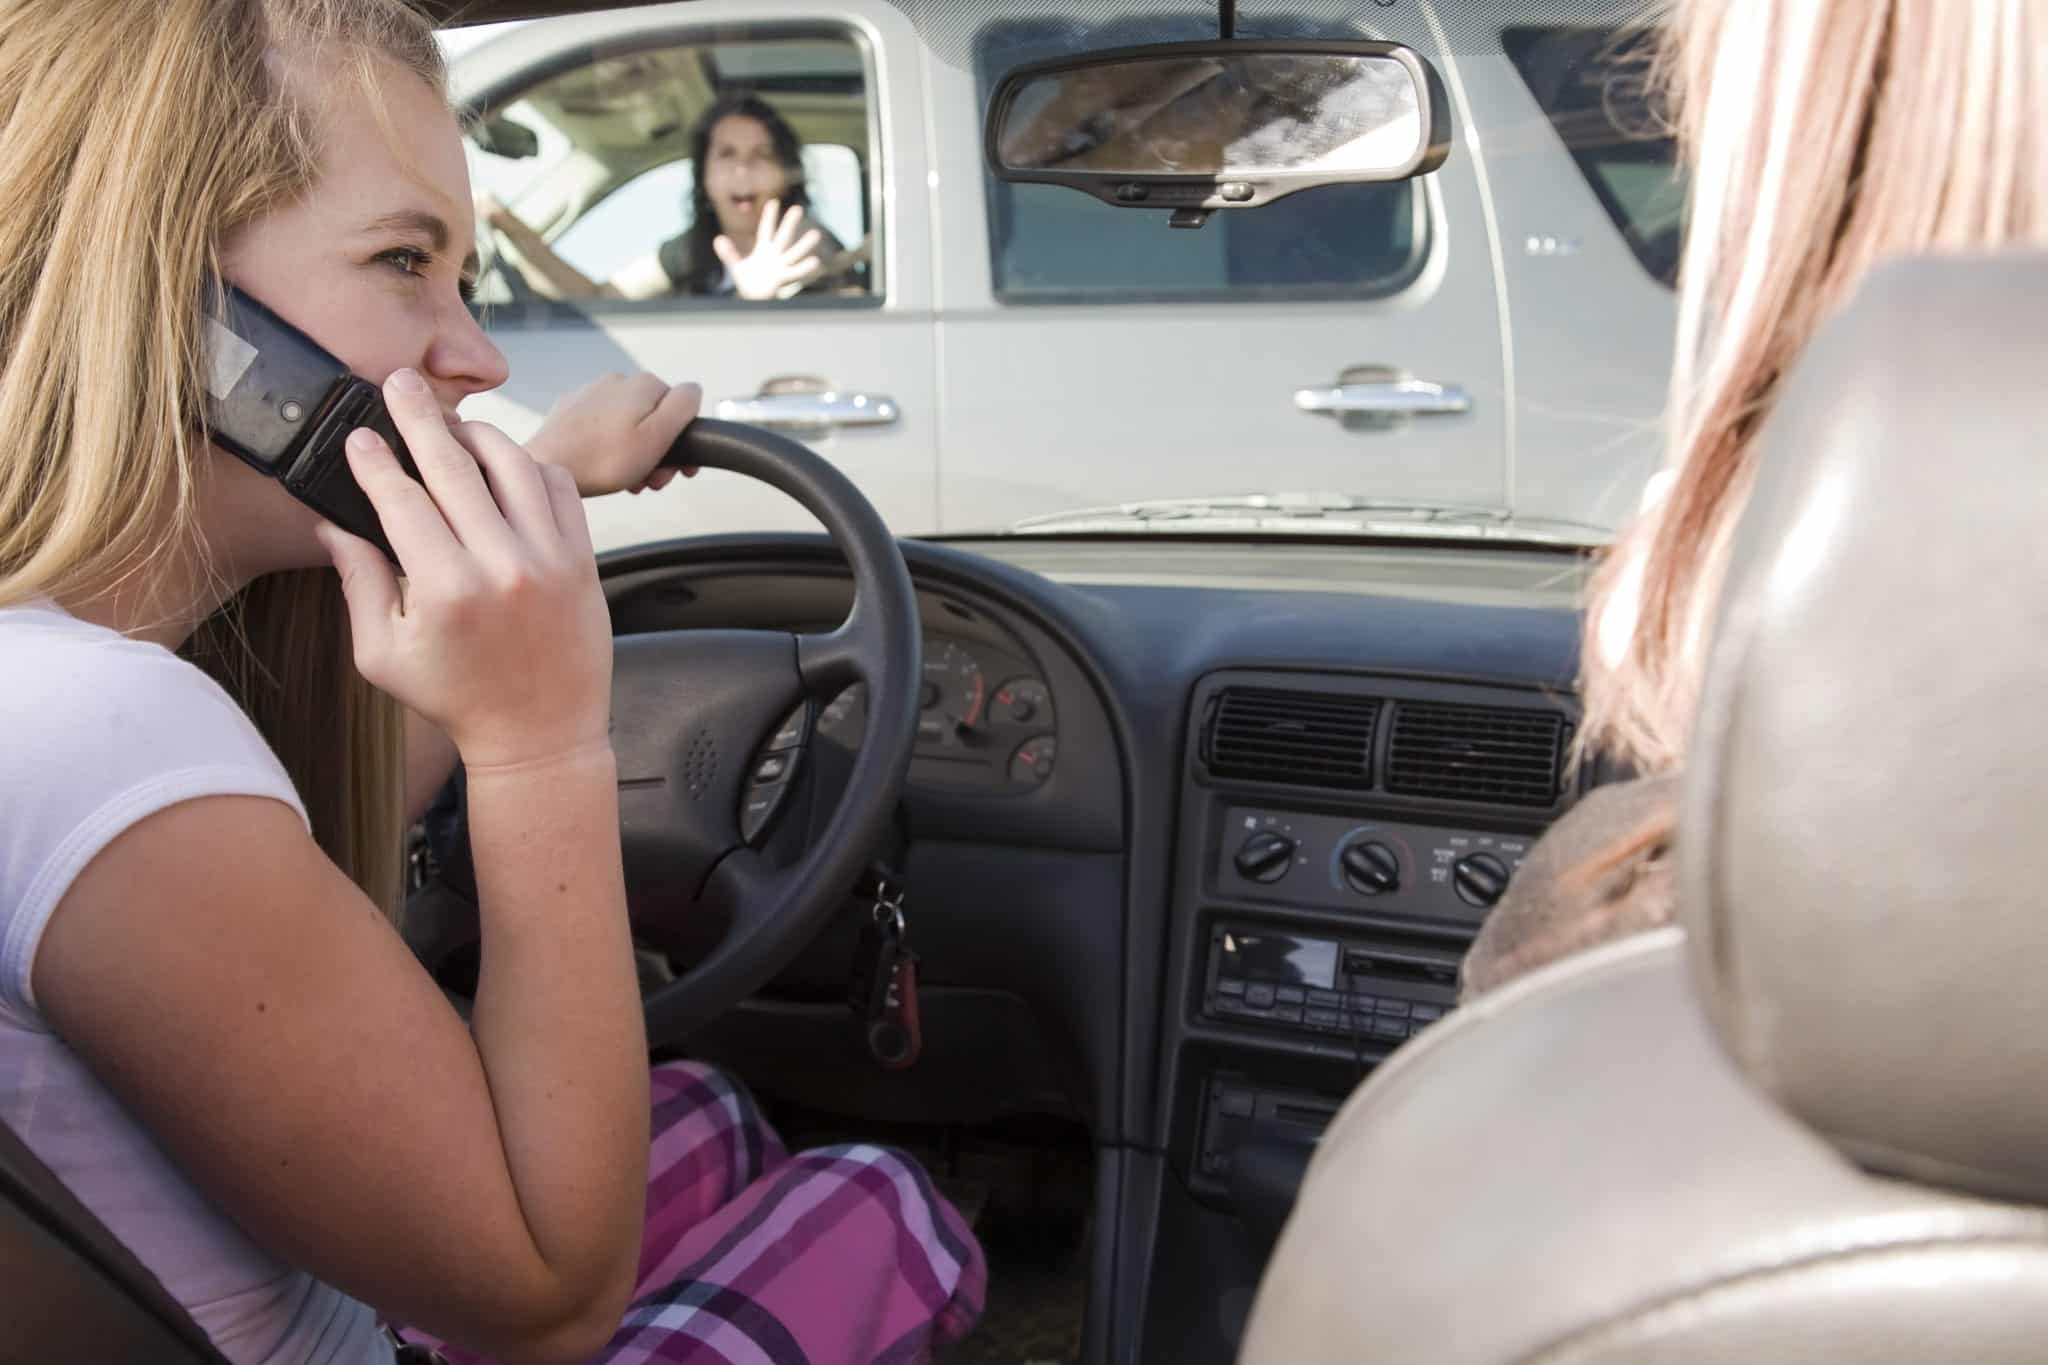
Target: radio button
pixel 1328 999
pixel 1428 1014
pixel 1288 1014
pixel 1390 1028
pixel 1259 997
pixel 1292 995
pixel 1230 986
pixel 1397 1008
pixel 1323 1018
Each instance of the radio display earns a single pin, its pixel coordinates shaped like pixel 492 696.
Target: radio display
pixel 1282 959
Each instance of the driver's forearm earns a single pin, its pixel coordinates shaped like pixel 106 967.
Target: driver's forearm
pixel 429 762
pixel 557 1020
pixel 567 281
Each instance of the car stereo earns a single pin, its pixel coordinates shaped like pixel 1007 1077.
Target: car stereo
pixel 1363 988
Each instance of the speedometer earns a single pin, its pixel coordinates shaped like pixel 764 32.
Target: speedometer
pixel 955 693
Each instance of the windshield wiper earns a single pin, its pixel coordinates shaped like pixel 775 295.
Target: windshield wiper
pixel 1311 514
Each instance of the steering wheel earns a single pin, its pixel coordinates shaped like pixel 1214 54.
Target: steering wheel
pixel 697 714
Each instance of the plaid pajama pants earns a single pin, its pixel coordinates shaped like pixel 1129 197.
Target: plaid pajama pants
pixel 755 1257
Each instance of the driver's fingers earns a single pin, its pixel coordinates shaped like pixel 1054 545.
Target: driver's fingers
pixel 722 247
pixel 412 522
pixel 367 584
pixel 677 409
pixel 771 219
pixel 515 481
pixel 446 467
pixel 647 389
pixel 570 521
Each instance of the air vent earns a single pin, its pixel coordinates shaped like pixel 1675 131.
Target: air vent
pixel 1316 739
pixel 1506 755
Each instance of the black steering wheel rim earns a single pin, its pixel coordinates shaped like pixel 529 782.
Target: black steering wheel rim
pixel 691 711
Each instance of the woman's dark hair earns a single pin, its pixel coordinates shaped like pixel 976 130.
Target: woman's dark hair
pixel 700 263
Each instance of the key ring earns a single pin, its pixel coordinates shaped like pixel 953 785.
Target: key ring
pixel 888 910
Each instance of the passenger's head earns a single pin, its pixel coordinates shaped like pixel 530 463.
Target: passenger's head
pixel 1820 138
pixel 294 147
pixel 745 154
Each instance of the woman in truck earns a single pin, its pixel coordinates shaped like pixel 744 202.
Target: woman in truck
pixel 750 234
pixel 1820 139
pixel 210 1030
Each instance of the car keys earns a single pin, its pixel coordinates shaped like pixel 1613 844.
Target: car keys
pixel 883 991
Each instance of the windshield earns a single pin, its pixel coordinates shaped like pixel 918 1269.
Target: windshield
pixel 1481 350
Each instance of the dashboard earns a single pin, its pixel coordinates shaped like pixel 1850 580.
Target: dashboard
pixel 1194 837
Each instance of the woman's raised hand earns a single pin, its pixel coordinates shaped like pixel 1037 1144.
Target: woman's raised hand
pixel 781 261
pixel 499 632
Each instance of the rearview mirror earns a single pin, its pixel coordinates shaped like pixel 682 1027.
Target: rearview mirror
pixel 1217 125
pixel 501 136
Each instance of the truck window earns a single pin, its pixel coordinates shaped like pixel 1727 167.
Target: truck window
pixel 612 231
pixel 589 177
pixel 1593 86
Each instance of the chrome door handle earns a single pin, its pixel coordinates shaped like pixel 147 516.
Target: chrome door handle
pixel 809 411
pixel 1385 398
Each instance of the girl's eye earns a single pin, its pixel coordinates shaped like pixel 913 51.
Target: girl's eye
pixel 406 259
pixel 414 262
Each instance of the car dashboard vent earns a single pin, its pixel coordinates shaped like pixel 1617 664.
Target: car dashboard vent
pixel 1317 739
pixel 1511 756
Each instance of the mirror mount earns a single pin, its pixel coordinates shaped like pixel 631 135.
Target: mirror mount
pixel 1228 124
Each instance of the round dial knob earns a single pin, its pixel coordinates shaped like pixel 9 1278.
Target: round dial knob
pixel 1480 879
pixel 1265 857
pixel 1371 869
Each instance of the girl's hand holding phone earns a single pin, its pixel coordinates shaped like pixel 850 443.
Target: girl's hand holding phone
pixel 499 633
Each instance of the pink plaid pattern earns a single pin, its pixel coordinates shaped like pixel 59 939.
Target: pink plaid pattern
pixel 755 1257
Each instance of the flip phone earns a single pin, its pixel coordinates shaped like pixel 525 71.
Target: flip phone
pixel 282 404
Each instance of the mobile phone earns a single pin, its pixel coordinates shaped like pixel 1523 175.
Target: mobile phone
pixel 281 403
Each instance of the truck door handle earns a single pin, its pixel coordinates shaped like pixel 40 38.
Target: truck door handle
pixel 809 411
pixel 1385 398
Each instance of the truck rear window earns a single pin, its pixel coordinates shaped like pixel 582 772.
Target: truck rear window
pixel 1593 86
pixel 1053 244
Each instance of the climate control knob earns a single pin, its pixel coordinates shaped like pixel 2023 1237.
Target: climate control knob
pixel 1265 857
pixel 1480 879
pixel 1371 869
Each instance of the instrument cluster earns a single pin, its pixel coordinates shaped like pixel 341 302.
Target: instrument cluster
pixel 985 719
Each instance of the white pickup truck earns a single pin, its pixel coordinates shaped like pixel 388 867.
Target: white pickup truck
pixel 1486 344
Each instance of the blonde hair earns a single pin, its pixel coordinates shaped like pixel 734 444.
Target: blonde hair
pixel 140 137
pixel 1822 136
